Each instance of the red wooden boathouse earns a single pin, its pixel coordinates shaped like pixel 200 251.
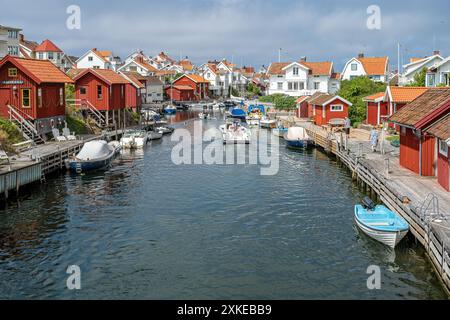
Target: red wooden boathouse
pixel 133 91
pixel 199 84
pixel 420 145
pixel 32 94
pixel 326 107
pixel 102 93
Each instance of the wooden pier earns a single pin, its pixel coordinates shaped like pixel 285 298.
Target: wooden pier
pixel 419 200
pixel 35 163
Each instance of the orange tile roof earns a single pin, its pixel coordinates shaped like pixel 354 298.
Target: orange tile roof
pixel 41 71
pixel 413 60
pixel 276 68
pixel 47 46
pixel 109 76
pixel 318 68
pixel 99 54
pixel 374 97
pixel 406 94
pixel 105 53
pixel 146 65
pixel 197 78
pixel 375 65
pixel 165 73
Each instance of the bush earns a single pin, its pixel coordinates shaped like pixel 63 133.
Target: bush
pixel 354 91
pixel 280 101
pixel 77 125
pixel 13 134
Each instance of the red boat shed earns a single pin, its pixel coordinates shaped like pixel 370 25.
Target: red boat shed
pixel 199 84
pixel 326 107
pixel 101 89
pixel 34 90
pixel 133 91
pixel 303 110
pixel 420 136
pixel 180 93
pixel 441 131
pixel 377 109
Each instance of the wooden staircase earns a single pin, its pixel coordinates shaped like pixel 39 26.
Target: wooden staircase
pixel 92 111
pixel 24 124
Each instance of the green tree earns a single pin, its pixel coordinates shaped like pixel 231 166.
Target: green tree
pixel 354 91
pixel 280 101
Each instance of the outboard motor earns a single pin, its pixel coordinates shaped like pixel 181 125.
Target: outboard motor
pixel 368 204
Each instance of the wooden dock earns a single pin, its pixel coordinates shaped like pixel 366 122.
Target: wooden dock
pixel 419 200
pixel 35 163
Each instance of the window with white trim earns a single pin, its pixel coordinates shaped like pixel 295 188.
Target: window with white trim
pixel 336 108
pixel 280 85
pixel 354 66
pixel 295 71
pixel 443 148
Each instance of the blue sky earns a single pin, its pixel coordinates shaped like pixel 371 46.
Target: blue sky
pixel 247 31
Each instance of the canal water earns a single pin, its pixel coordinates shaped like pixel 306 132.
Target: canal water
pixel 149 229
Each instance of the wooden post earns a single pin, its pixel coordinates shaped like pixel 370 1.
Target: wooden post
pixel 386 166
pixel 120 123
pixel 107 118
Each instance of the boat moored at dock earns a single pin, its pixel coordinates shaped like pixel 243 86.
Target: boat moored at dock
pixel 94 155
pixel 297 138
pixel 380 223
pixel 170 110
pixel 134 139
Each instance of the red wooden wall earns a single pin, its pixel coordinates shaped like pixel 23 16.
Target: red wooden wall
pixel 113 96
pixel 444 170
pixel 321 120
pixel 409 150
pixel 12 94
pixel 132 96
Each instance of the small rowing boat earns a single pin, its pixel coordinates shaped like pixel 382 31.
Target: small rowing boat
pixel 380 223
pixel 297 138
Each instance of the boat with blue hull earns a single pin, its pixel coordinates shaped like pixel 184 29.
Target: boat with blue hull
pixel 297 138
pixel 380 223
pixel 170 110
pixel 238 113
pixel 94 155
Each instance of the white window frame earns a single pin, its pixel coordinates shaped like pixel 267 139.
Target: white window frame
pixel 341 108
pixel 295 71
pixel 444 151
pixel 279 85
pixel 354 67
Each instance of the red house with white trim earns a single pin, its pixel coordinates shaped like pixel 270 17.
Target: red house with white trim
pixel 199 84
pixel 180 93
pixel 382 105
pixel 101 90
pixel 441 131
pixel 33 90
pixel 421 134
pixel 326 107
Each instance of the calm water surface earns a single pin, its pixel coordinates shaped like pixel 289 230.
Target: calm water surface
pixel 149 229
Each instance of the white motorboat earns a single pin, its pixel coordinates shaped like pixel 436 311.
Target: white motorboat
pixel 297 138
pixel 265 122
pixel 94 155
pixel 204 116
pixel 154 135
pixel 134 139
pixel 235 133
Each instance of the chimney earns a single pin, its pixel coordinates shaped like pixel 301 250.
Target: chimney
pixel 436 52
pixel 361 55
pixel 303 59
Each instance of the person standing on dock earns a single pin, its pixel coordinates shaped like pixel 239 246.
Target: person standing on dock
pixel 374 139
pixel 347 126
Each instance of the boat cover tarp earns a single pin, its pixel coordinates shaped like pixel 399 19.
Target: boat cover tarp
pixel 238 113
pixel 94 150
pixel 297 133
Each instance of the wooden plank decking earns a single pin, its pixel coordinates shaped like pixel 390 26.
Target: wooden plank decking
pixel 420 200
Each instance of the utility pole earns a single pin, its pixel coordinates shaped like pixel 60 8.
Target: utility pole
pixel 398 61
